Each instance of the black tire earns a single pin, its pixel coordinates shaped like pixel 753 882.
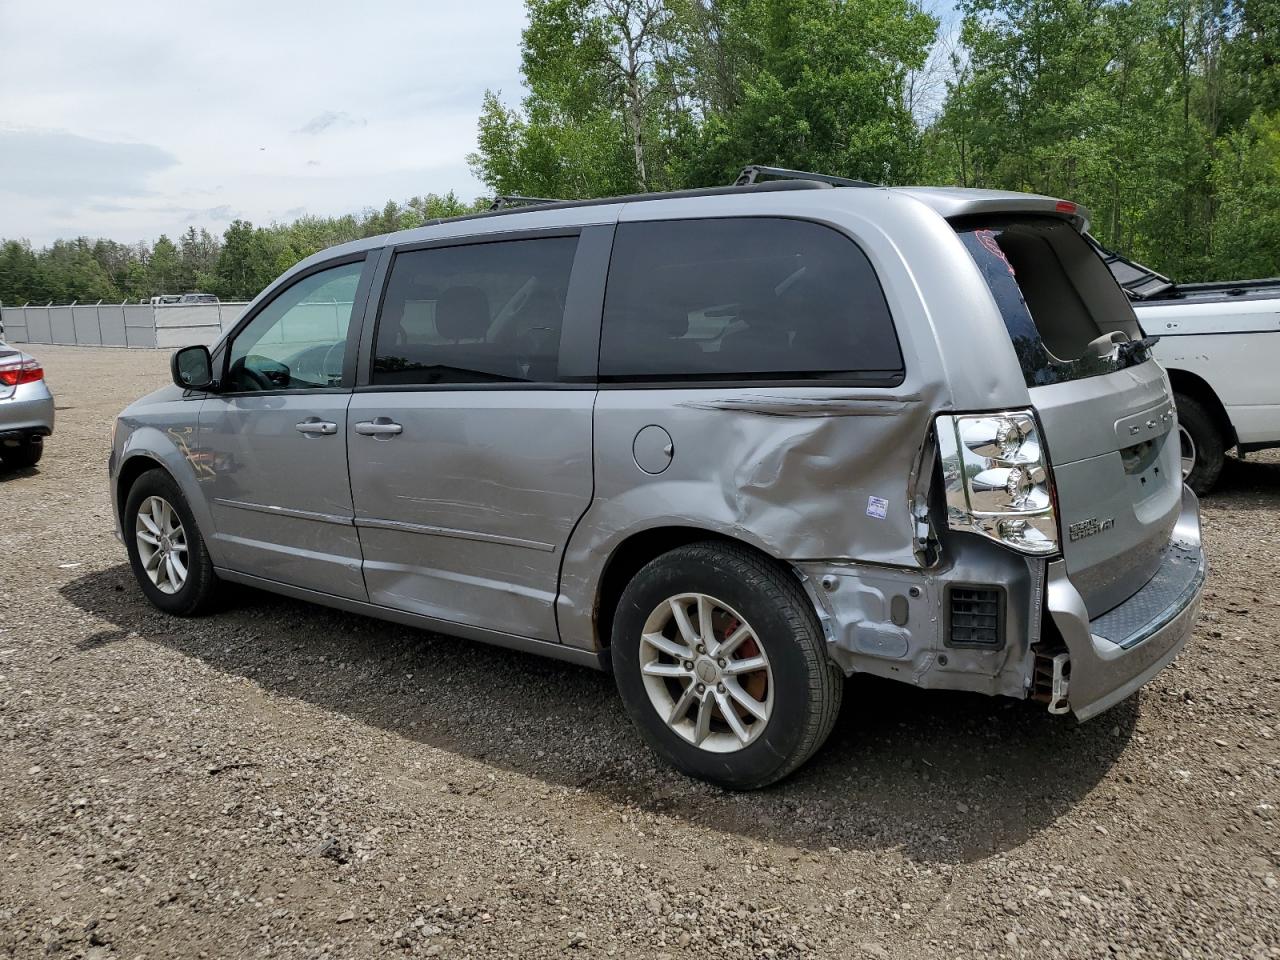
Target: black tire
pixel 26 454
pixel 807 686
pixel 197 593
pixel 1203 432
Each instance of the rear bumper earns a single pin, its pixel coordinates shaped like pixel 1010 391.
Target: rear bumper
pixel 1114 654
pixel 27 413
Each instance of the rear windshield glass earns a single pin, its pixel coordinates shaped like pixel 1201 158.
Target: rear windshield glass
pixel 1058 300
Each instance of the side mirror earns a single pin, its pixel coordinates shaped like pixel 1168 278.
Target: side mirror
pixel 192 368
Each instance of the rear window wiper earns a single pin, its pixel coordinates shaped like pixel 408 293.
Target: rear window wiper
pixel 1133 352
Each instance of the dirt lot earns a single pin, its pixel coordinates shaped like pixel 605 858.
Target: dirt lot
pixel 283 780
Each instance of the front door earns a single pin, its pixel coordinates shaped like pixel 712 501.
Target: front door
pixel 470 453
pixel 275 437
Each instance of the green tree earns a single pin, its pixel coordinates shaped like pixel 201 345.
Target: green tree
pixel 164 268
pixel 1114 103
pixel 20 279
pixel 604 83
pixel 654 94
pixel 69 272
pixel 197 258
pixel 817 85
pixel 1246 175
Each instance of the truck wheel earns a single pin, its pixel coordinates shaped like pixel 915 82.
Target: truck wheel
pixel 1201 441
pixel 24 454
pixel 166 550
pixel 722 665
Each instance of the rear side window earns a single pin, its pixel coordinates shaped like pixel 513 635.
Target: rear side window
pixel 1057 298
pixel 750 298
pixel 480 313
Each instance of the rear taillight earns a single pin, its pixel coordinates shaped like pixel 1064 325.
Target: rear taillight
pixel 997 479
pixel 14 374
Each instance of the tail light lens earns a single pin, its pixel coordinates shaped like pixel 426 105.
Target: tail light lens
pixel 13 374
pixel 998 481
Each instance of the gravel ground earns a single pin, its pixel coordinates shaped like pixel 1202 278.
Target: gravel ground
pixel 284 780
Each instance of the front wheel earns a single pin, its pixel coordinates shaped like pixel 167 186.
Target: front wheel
pixel 722 666
pixel 166 550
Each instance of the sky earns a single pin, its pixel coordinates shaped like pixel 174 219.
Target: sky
pixel 128 120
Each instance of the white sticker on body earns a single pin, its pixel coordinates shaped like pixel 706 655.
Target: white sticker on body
pixel 877 507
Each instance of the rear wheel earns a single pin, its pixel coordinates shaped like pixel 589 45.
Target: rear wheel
pixel 721 664
pixel 1201 444
pixel 166 550
pixel 26 453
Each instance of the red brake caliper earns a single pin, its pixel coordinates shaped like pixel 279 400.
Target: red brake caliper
pixel 756 684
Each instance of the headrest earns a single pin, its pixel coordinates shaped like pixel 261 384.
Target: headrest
pixel 542 308
pixel 462 313
pixel 670 322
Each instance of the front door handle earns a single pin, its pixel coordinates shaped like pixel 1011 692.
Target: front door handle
pixel 316 426
pixel 384 428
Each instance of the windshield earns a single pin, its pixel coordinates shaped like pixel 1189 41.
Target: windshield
pixel 1060 304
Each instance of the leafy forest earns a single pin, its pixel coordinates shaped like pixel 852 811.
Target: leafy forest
pixel 1161 116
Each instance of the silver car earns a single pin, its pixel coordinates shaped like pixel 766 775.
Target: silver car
pixel 733 445
pixel 26 408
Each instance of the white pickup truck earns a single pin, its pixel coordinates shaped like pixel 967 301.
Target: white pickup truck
pixel 1220 343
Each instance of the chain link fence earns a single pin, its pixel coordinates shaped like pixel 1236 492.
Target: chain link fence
pixel 120 324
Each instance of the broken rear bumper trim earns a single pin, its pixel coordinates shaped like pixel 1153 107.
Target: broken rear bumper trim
pixel 1116 653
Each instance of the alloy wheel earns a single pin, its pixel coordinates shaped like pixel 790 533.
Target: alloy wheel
pixel 1188 451
pixel 706 672
pixel 162 544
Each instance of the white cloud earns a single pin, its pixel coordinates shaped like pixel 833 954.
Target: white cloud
pixel 132 122
pixel 67 166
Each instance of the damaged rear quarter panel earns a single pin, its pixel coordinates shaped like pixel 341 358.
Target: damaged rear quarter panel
pixel 790 470
pixel 787 470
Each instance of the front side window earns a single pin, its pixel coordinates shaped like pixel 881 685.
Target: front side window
pixel 299 339
pixel 477 313
pixel 749 298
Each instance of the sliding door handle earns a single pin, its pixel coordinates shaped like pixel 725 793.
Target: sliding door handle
pixel 317 427
pixel 384 428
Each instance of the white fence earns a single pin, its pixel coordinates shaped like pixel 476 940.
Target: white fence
pixel 121 324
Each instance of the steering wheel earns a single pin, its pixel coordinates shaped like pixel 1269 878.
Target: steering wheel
pixel 242 372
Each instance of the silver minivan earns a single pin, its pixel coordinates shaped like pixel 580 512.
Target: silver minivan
pixel 733 444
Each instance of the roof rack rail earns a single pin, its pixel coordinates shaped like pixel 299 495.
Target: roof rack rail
pixel 753 172
pixel 505 205
pixel 515 200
